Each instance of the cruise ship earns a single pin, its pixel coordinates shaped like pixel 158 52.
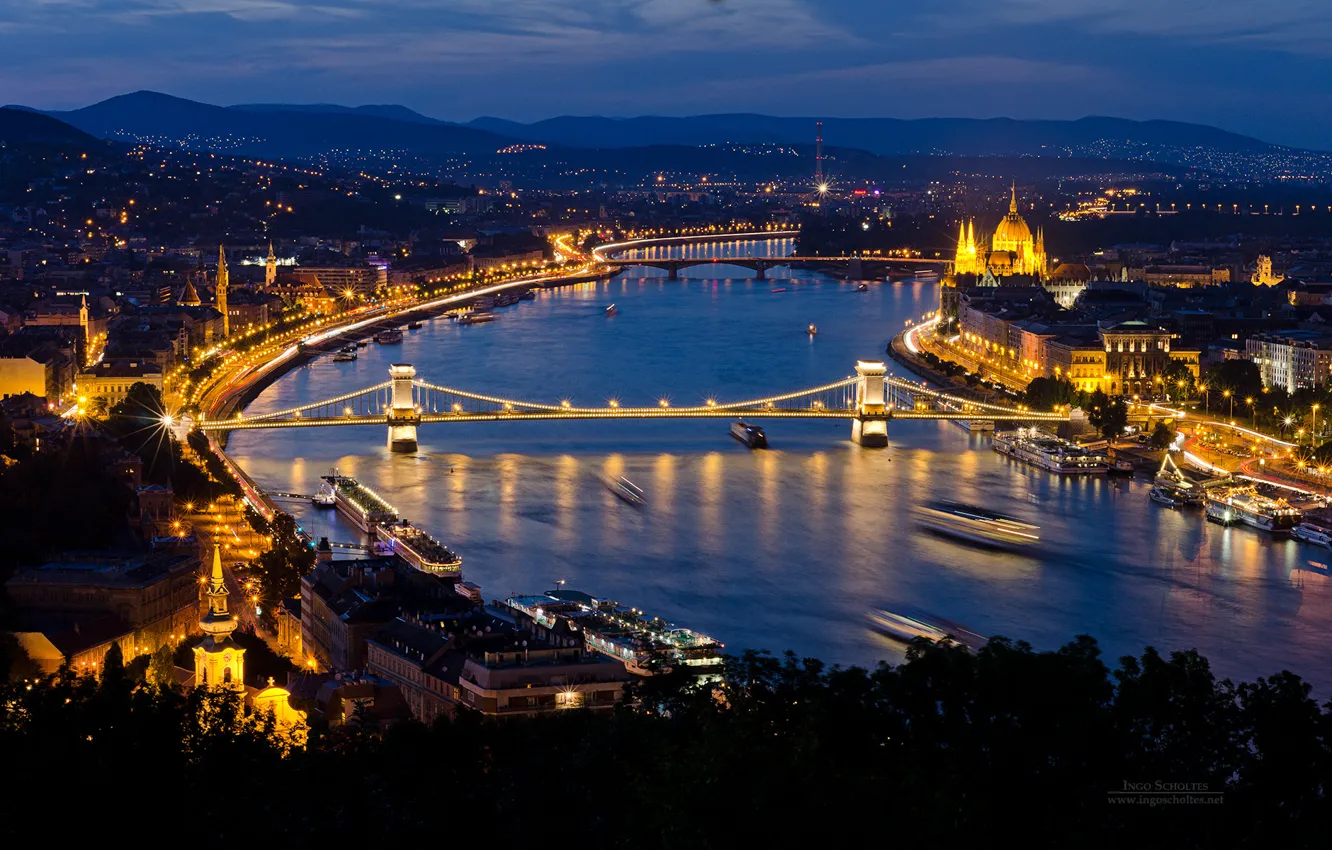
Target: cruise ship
pixel 751 435
pixel 364 507
pixel 1229 506
pixel 976 525
pixel 1050 452
pixel 646 646
pixel 419 549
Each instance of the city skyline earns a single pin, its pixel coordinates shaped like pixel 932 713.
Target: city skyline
pixel 1258 71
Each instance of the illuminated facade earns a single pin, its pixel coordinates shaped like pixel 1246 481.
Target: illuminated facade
pixel 219 662
pixel 270 268
pixel 1013 248
pixel 1263 275
pixel 223 284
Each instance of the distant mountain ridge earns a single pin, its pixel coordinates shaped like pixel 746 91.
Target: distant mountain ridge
pixel 291 130
pixel 277 131
pixel 883 136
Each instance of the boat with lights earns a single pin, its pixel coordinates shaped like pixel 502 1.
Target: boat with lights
pixel 419 549
pixel 1049 452
pixel 325 497
pixel 389 336
pixel 1246 505
pixel 906 627
pixel 365 508
pixel 972 524
pixel 645 645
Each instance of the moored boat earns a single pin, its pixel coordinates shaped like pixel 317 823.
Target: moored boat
pixel 476 317
pixel 414 325
pixel 1247 505
pixel 1049 452
pixel 389 336
pixel 1163 496
pixel 419 549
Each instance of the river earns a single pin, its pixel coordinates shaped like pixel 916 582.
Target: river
pixel 787 548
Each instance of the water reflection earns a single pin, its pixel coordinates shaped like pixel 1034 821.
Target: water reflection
pixel 788 547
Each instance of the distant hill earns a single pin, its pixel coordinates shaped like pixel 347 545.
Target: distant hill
pixel 273 130
pixel 884 136
pixel 23 126
pixel 388 110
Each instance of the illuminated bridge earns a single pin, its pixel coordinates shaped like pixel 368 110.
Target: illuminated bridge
pixel 855 265
pixel 869 399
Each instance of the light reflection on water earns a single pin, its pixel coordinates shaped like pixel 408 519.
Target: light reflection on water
pixel 784 548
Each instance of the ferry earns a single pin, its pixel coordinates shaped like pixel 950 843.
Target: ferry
pixel 419 549
pixel 365 508
pixel 1122 466
pixel 1163 496
pixel 610 311
pixel 389 336
pixel 506 299
pixel 476 317
pixel 345 355
pixel 907 628
pixel 1049 452
pixel 1244 504
pixel 1177 484
pixel 971 524
pixel 811 330
pixel 751 435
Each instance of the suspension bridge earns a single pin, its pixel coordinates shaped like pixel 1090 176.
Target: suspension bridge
pixel 869 399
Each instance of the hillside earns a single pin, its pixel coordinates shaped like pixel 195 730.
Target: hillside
pixel 22 127
pixel 272 131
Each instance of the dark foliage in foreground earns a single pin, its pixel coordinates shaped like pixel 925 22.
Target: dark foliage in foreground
pixel 1000 745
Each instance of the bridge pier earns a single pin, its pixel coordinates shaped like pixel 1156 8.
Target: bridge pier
pixel 855 269
pixel 870 427
pixel 673 271
pixel 762 269
pixel 402 416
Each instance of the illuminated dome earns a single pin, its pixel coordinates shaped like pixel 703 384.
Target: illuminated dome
pixel 1013 231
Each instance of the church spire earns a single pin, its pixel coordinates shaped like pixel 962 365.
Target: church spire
pixel 222 288
pixel 270 267
pixel 1012 204
pixel 218 660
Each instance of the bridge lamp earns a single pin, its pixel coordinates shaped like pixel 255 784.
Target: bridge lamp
pixel 613 404
pixel 564 402
pixel 457 408
pixel 663 402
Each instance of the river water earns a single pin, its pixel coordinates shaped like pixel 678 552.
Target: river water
pixel 787 548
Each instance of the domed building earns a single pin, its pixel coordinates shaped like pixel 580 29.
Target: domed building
pixel 1013 248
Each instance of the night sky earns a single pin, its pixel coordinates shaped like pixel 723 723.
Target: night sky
pixel 1263 68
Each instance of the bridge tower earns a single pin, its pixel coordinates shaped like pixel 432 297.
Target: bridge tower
pixel 402 415
pixel 870 427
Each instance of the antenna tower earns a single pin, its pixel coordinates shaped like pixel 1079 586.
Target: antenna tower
pixel 818 155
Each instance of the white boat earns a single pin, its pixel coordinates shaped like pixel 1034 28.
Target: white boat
pixel 345 356
pixel 325 497
pixel 1312 534
pixel 419 549
pixel 1162 496
pixel 1049 452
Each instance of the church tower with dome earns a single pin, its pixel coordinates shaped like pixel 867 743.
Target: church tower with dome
pixel 219 662
pixel 1013 248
